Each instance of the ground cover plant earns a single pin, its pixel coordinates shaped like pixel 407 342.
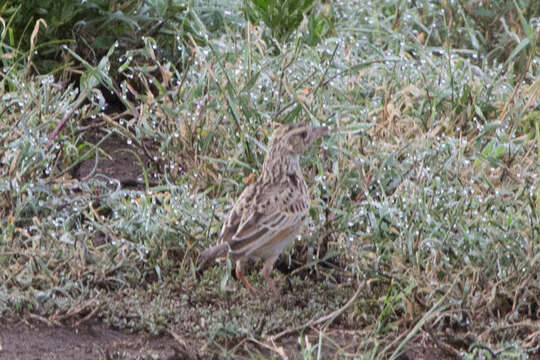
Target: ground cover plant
pixel 119 161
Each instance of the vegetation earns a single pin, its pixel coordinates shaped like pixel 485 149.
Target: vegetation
pixel 425 219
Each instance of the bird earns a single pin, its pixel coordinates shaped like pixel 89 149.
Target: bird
pixel 272 211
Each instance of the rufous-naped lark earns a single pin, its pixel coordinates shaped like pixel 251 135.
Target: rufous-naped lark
pixel 272 211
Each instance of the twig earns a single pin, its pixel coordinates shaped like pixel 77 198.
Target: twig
pixel 277 349
pixel 88 317
pixel 518 290
pixel 74 106
pixel 75 311
pixel 88 127
pixel 187 352
pixel 327 317
pixel 43 320
pixel 529 324
pixel 443 346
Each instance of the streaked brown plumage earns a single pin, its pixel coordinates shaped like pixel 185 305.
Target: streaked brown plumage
pixel 271 212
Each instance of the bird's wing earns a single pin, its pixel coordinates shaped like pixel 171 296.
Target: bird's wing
pixel 263 214
pixel 230 226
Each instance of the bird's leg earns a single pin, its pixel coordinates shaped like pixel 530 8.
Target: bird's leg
pixel 241 276
pixel 267 268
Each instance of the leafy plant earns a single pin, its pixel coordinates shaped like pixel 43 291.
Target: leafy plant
pixel 281 17
pixel 320 25
pixel 90 27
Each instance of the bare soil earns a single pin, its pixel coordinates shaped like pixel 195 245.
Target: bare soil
pixel 116 160
pixel 22 341
pixel 31 341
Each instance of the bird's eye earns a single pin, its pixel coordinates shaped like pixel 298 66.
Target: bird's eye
pixel 303 134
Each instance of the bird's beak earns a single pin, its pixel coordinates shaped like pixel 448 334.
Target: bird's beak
pixel 320 132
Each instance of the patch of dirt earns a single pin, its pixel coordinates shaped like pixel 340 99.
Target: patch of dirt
pixel 116 160
pixel 23 341
pixel 89 342
pixel 426 352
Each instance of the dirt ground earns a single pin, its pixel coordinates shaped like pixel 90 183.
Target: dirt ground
pixel 118 160
pixel 31 341
pixel 22 341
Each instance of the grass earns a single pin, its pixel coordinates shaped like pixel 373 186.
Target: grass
pixel 425 194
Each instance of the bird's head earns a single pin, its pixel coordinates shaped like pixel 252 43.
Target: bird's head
pixel 296 138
